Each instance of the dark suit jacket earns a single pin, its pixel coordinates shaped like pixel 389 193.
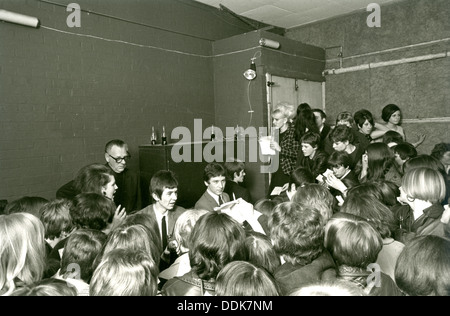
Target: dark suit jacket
pixel 317 165
pixel 239 191
pixel 207 202
pixel 172 217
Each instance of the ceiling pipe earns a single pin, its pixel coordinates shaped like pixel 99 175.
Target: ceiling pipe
pixel 384 64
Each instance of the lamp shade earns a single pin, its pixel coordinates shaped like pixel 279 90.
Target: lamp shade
pixel 250 73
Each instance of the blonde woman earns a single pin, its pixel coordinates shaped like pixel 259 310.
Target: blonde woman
pixel 22 251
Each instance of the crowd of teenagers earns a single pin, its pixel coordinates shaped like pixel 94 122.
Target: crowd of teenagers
pixel 354 209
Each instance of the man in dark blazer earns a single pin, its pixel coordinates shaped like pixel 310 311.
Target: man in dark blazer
pixel 128 193
pixel 164 191
pixel 214 196
pixel 324 128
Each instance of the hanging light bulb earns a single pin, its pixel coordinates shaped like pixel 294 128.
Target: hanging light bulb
pixel 250 73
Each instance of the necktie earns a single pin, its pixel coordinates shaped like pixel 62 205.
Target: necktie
pixel 220 200
pixel 164 232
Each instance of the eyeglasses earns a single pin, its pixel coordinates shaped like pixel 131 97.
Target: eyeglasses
pixel 120 159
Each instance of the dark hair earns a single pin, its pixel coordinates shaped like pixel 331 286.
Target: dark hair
pixel 216 240
pixel 339 158
pixel 296 232
pixel 388 110
pixel 361 116
pixel 81 248
pixel 352 241
pixel 311 138
pixel 405 150
pixel 233 167
pixel 424 160
pixel 92 210
pixel 374 211
pixel 423 267
pixel 265 206
pixel 342 133
pixel 322 113
pixel 115 142
pixel 380 160
pixel 389 190
pixel 303 106
pixel 162 179
pixel 300 176
pixel 26 204
pixel 92 177
pixel 439 150
pixel 305 121
pixel 213 169
pixel 392 137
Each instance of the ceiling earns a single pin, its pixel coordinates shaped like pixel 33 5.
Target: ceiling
pixel 292 13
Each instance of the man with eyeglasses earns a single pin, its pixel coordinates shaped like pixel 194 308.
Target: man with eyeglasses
pixel 128 193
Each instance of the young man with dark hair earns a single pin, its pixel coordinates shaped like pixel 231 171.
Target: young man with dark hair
pixel 164 192
pixel 215 180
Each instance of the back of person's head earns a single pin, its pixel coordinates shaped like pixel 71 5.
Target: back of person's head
pixel 339 159
pixel 92 178
pixel 379 159
pixel 300 176
pixel 92 210
pixel 352 241
pixel 392 137
pixel 369 189
pixel 184 225
pixel 423 267
pixel 405 150
pixel 337 287
pixel 55 216
pixel 46 287
pixel 296 232
pixel 260 251
pixel 314 195
pixel 388 110
pixel 265 206
pixel 233 167
pixel 125 272
pixel 345 118
pixel 373 211
pixel 80 251
pixel 162 179
pixel 362 116
pixel 215 240
pixel 149 222
pixel 131 237
pixel 303 106
pixel 26 204
pixel 342 133
pixel 389 191
pixel 22 250
pixel 424 160
pixel 440 150
pixel 213 169
pixel 241 278
pixel 305 121
pixel 424 183
pixel 115 142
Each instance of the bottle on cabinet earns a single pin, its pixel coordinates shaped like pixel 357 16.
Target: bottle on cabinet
pixel 153 140
pixel 163 137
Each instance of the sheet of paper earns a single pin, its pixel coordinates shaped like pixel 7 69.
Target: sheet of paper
pixel 264 143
